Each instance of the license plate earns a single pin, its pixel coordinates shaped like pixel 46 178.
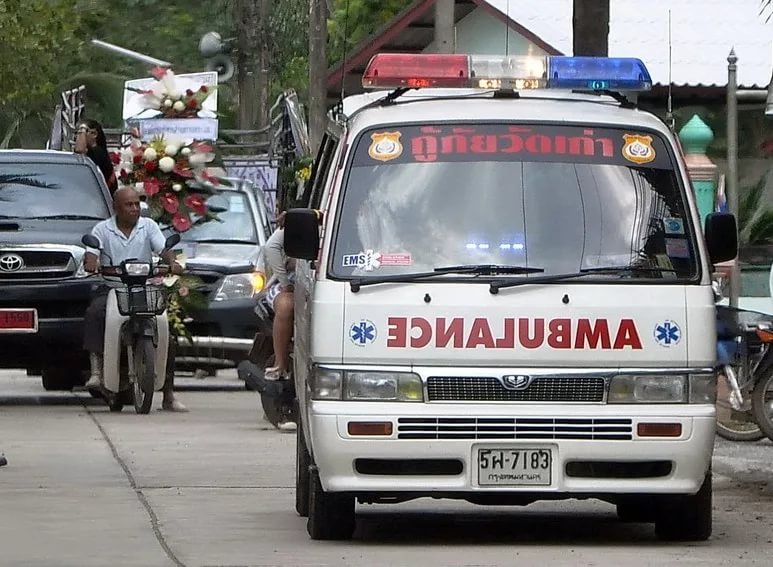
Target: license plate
pixel 503 466
pixel 18 321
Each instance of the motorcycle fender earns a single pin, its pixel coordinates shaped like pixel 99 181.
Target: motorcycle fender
pixel 114 321
pixel 162 348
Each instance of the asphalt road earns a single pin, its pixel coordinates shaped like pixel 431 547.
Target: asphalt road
pixel 214 487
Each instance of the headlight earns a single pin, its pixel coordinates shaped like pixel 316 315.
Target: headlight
pixel 366 386
pixel 81 271
pixel 137 269
pixel 658 389
pixel 703 388
pixel 240 286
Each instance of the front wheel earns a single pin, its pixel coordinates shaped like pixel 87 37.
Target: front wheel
pixel 144 374
pixel 762 401
pixel 302 464
pixel 686 517
pixel 735 424
pixel 331 514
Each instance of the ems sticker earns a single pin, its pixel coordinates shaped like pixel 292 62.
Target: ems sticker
pixel 667 334
pixel 673 225
pixel 386 146
pixel 638 149
pixel 370 260
pixel 677 248
pixel 362 333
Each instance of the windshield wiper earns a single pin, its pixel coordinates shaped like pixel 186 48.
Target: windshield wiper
pixel 476 269
pixel 224 241
pixel 70 217
pixel 494 287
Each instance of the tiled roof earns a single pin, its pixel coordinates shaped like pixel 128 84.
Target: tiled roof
pixel 702 32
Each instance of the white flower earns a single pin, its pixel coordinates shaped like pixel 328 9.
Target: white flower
pixel 166 164
pixel 186 151
pixel 168 102
pixel 171 150
pixel 169 281
pixel 150 154
pixel 175 95
pixel 179 106
pixel 197 160
pixel 139 187
pixel 127 156
pixel 177 187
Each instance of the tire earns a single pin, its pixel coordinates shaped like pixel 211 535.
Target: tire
pixel 735 425
pixel 762 401
pixel 302 477
pixel 59 378
pixel 331 514
pixel 145 371
pixel 686 517
pixel 636 509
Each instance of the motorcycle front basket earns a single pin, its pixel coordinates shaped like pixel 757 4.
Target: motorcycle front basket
pixel 140 301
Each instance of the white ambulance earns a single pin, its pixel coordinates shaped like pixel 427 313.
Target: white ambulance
pixel 509 299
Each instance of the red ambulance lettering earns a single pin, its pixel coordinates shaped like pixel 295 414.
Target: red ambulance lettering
pixel 595 334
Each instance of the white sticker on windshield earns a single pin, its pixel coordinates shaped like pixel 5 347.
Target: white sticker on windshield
pixel 237 204
pixel 673 225
pixel 677 248
pixel 370 260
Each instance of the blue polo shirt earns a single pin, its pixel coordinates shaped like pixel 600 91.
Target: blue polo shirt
pixel 145 239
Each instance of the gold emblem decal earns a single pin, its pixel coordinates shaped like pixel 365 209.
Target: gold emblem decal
pixel 386 146
pixel 638 149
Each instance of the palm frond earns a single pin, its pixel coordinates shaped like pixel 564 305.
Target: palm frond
pixel 14 179
pixel 760 231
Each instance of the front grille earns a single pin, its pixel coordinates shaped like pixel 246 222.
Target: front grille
pixel 514 428
pixel 490 389
pixel 40 264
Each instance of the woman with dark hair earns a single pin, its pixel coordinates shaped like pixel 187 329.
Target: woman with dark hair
pixel 90 140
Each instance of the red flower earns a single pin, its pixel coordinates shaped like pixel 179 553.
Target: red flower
pixel 170 203
pixel 188 92
pixel 158 73
pixel 201 147
pixel 203 88
pixel 181 222
pixel 152 186
pixel 137 158
pixel 183 170
pixel 195 202
pixel 115 157
pixel 151 165
pixel 193 103
pixel 212 179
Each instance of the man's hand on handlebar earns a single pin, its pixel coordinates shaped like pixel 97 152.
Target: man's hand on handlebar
pixel 91 263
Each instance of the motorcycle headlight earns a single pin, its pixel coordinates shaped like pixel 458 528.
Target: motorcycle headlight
pixel 240 286
pixel 137 269
pixel 655 389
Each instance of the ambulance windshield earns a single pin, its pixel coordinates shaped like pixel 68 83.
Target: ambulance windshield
pixel 563 198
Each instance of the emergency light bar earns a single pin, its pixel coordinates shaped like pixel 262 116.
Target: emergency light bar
pixel 394 70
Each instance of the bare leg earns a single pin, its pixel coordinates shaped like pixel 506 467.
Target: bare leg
pixel 283 329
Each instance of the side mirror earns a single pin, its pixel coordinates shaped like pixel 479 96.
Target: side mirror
pixel 721 234
pixel 91 241
pixel 172 241
pixel 302 234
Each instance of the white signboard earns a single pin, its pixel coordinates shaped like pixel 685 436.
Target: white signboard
pixel 185 128
pixel 131 100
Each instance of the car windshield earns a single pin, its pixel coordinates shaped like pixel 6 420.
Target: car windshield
pixel 561 198
pixel 236 223
pixel 35 190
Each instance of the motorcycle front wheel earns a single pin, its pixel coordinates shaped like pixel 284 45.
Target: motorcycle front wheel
pixel 762 401
pixel 732 424
pixel 145 374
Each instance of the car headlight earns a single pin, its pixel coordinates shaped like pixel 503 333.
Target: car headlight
pixel 240 286
pixel 655 389
pixel 364 385
pixel 703 388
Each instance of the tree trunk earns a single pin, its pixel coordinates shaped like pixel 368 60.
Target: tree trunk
pixel 252 61
pixel 590 24
pixel 317 71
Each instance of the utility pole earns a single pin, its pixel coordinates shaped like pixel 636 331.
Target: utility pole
pixel 317 71
pixel 252 61
pixel 444 26
pixel 590 26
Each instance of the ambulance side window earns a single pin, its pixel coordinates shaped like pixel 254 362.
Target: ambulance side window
pixel 322 166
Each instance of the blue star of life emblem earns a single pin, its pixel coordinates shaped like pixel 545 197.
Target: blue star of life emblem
pixel 362 333
pixel 668 333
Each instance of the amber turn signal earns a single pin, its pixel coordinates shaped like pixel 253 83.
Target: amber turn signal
pixel 659 430
pixel 370 428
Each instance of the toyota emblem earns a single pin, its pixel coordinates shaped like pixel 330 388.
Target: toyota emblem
pixel 516 381
pixel 11 263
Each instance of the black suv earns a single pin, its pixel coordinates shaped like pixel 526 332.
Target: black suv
pixel 48 200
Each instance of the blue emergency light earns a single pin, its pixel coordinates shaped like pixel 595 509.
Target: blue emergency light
pixel 421 70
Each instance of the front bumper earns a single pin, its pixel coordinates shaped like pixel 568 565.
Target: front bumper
pixel 222 334
pixel 336 453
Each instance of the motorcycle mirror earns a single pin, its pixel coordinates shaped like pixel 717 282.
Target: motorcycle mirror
pixel 91 241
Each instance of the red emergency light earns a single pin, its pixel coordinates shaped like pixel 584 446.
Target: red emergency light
pixel 391 70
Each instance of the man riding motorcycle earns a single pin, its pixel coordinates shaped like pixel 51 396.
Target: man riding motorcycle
pixel 124 235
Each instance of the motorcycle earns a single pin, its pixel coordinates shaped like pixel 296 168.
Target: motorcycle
pixel 277 397
pixel 743 358
pixel 136 332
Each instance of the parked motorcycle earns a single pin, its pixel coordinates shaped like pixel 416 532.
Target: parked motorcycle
pixel 136 332
pixel 277 397
pixel 741 359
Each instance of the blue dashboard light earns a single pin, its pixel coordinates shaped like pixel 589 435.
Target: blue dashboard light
pixel 598 73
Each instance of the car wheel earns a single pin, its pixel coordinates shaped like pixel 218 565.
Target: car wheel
pixel 331 514
pixel 686 517
pixel 60 378
pixel 302 464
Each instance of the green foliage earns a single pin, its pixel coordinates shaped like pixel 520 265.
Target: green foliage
pixel 357 19
pixel 755 218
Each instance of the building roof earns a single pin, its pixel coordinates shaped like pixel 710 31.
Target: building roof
pixel 702 34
